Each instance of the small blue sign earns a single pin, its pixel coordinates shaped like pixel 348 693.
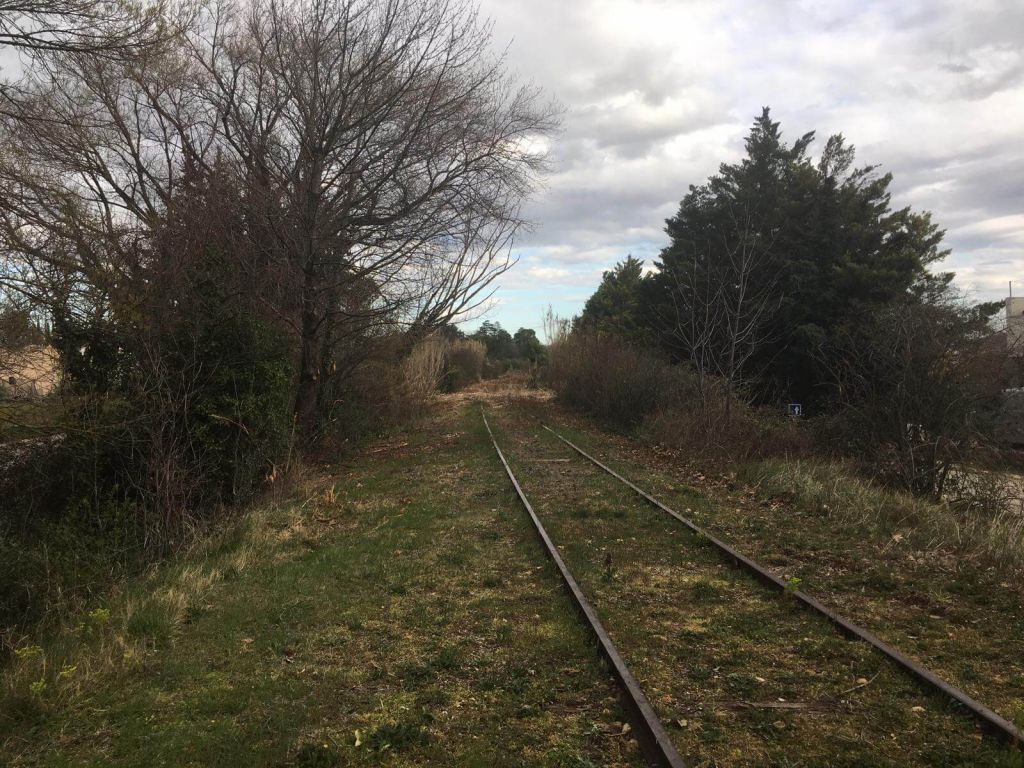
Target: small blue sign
pixel 796 410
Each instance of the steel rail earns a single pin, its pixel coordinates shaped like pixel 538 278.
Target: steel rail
pixel 653 739
pixel 992 722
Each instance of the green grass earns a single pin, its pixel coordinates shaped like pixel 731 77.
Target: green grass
pixel 705 640
pixel 832 491
pixel 872 554
pixel 398 612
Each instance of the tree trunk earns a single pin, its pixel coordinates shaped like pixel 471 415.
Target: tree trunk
pixel 307 391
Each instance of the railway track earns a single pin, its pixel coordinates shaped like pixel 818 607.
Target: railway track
pixel 655 742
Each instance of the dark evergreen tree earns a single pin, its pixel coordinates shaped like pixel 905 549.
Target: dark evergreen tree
pixel 451 332
pixel 617 306
pixel 18 329
pixel 500 345
pixel 829 248
pixel 528 346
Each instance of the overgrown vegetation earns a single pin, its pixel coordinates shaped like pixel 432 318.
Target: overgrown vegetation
pixel 728 658
pixel 443 363
pixel 236 238
pixel 370 615
pixel 237 226
pixel 919 387
pixel 634 388
pixel 985 522
pixel 790 280
pixel 902 456
pixel 613 381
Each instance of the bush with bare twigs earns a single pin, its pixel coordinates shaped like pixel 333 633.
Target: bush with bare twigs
pixel 636 389
pixel 465 363
pixel 919 386
pixel 615 381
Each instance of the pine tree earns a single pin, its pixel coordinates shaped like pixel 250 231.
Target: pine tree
pixel 617 306
pixel 825 247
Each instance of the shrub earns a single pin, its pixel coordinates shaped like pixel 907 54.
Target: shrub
pixel 157 432
pixel 34 479
pixel 367 396
pixel 919 384
pixel 465 363
pixel 228 427
pixel 603 376
pixel 242 415
pixel 385 388
pixel 635 389
pixel 128 480
pixel 703 428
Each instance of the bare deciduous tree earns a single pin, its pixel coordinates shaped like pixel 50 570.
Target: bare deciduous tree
pixel 388 146
pixel 920 383
pixel 379 149
pixel 98 27
pixel 721 302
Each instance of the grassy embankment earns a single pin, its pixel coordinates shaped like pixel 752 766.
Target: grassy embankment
pixel 397 611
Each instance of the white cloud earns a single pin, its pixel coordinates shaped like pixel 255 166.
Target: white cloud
pixel 658 93
pixel 999 228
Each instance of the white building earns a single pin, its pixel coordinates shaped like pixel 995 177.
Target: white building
pixel 28 373
pixel 1015 326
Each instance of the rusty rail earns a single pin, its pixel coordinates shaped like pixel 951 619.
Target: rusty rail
pixel 654 741
pixel 993 723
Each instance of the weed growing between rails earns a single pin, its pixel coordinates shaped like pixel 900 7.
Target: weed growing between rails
pixel 673 622
pixel 653 739
pixel 954 611
pixel 987 719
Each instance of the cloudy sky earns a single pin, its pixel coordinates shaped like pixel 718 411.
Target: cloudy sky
pixel 658 93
